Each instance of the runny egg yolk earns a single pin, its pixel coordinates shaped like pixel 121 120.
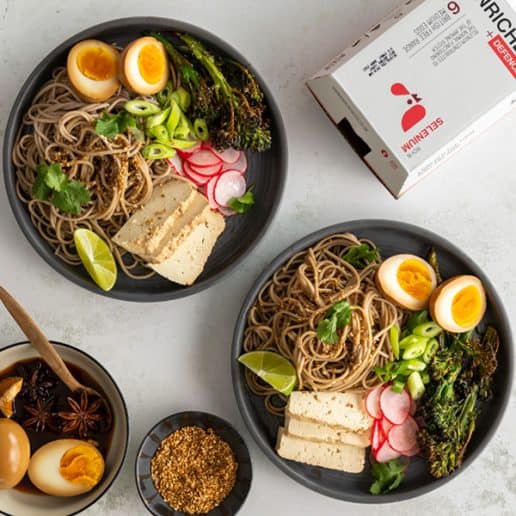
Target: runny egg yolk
pixel 96 63
pixel 151 63
pixel 83 465
pixel 466 306
pixel 413 277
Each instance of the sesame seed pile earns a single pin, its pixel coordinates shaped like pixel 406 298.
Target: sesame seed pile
pixel 194 470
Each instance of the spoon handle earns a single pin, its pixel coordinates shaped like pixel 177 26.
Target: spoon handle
pixel 39 340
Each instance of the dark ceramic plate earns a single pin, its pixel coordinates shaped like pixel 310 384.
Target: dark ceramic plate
pixel 392 238
pixel 153 500
pixel 266 171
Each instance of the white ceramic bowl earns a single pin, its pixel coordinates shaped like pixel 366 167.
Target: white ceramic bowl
pixel 17 503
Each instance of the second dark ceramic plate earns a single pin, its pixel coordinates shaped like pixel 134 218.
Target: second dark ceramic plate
pixel 392 238
pixel 266 170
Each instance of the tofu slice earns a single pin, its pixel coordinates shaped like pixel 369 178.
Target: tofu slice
pixel 342 457
pixel 187 260
pixel 182 226
pixel 341 409
pixel 312 431
pixel 144 233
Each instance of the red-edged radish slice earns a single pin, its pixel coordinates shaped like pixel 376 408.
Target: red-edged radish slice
pixel 177 165
pixel 386 453
pixel 196 178
pixel 386 425
pixel 204 158
pixel 186 153
pixel 377 436
pixel 372 402
pixel 403 437
pixel 227 155
pixel 230 184
pixel 227 212
pixel 210 193
pixel 240 164
pixel 395 406
pixel 411 452
pixel 206 171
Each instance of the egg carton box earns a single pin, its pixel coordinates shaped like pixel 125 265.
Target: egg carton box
pixel 420 84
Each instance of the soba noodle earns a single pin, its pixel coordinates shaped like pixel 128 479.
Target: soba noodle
pixel 286 313
pixel 59 128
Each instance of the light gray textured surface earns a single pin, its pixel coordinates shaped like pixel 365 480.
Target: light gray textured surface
pixel 174 356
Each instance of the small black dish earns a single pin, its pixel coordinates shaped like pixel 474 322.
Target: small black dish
pixel 391 237
pixel 266 170
pixel 148 493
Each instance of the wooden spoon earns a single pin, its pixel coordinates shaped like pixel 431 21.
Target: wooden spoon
pixel 45 348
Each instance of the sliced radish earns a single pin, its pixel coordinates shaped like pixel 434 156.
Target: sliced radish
pixel 196 178
pixel 227 155
pixel 411 452
pixel 230 184
pixel 372 402
pixel 386 453
pixel 210 189
pixel 395 406
pixel 177 165
pixel 413 407
pixel 206 171
pixel 227 212
pixel 377 436
pixel 240 164
pixel 403 437
pixel 186 153
pixel 204 158
pixel 386 425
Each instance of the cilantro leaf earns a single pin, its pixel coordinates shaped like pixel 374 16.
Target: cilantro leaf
pixel 361 255
pixel 109 124
pixel 387 476
pixel 49 177
pixel 40 190
pixel 70 198
pixel 335 319
pixel 242 204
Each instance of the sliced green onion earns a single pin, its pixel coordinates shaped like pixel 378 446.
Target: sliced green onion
pixel 182 97
pixel 407 366
pixel 164 95
pixel 173 119
pixel 415 385
pixel 182 144
pixel 416 319
pixel 158 151
pixel 430 350
pixel 415 350
pixel 201 129
pixel 394 339
pixel 425 377
pixel 140 107
pixel 157 119
pixel 398 385
pixel 429 330
pixel 412 340
pixel 160 133
pixel 183 129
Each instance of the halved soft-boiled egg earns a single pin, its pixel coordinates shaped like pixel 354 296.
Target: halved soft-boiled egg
pixel 145 66
pixel 459 304
pixel 93 69
pixel 66 467
pixel 406 280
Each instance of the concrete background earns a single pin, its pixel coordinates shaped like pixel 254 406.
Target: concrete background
pixel 174 356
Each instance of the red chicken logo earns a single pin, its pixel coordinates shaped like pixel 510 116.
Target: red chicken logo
pixel 415 113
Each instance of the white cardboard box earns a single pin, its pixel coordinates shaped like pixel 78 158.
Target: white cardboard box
pixel 421 84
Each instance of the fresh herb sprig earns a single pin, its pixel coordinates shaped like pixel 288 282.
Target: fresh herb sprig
pixel 336 318
pixel 52 185
pixel 387 476
pixel 242 204
pixel 111 124
pixel 361 256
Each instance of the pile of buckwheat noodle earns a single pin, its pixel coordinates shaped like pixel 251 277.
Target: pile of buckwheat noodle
pixel 287 310
pixel 59 128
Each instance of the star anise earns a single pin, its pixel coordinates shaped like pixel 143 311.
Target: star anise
pixel 41 415
pixel 83 417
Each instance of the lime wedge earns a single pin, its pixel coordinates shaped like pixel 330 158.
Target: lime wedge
pixel 272 368
pixel 96 258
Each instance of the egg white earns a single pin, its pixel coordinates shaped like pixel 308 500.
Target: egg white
pixel 441 303
pixel 387 281
pixel 131 71
pixel 89 89
pixel 44 469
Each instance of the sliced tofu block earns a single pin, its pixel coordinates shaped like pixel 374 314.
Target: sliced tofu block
pixel 313 431
pixel 144 232
pixel 342 409
pixel 342 457
pixel 183 225
pixel 187 260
